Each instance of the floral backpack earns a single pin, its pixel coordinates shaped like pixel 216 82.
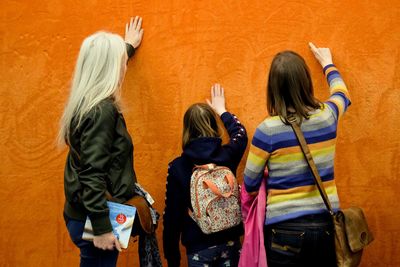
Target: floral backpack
pixel 214 194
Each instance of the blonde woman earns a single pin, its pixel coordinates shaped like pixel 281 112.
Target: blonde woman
pixel 100 154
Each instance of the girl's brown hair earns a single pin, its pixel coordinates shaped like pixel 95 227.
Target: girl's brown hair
pixel 200 120
pixel 290 89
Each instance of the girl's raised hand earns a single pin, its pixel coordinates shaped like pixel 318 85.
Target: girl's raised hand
pixel 217 99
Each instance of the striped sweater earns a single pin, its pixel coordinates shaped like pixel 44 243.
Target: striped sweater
pixel 291 188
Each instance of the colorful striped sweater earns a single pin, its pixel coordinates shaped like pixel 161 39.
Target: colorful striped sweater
pixel 291 188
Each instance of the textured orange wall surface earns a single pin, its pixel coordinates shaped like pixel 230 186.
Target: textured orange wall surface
pixel 187 46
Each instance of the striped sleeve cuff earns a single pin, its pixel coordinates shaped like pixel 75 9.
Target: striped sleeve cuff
pixel 328 66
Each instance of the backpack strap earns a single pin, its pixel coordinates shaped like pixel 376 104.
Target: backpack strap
pixel 213 187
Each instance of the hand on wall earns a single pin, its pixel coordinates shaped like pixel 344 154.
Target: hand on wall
pixel 134 32
pixel 322 54
pixel 217 99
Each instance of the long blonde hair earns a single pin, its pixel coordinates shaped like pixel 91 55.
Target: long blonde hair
pixel 98 75
pixel 199 120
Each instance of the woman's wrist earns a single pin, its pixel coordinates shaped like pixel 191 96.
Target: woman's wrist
pixel 130 50
pixel 325 64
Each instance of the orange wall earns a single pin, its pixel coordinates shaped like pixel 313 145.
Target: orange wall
pixel 187 46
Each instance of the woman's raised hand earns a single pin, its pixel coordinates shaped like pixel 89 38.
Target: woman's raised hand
pixel 217 99
pixel 134 32
pixel 322 54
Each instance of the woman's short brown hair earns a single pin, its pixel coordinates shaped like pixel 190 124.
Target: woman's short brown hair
pixel 290 87
pixel 200 120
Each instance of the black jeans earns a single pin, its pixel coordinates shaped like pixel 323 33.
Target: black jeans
pixel 306 241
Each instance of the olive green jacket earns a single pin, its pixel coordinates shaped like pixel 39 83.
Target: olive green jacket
pixel 100 159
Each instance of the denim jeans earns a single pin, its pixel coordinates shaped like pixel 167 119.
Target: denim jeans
pixel 223 255
pixel 306 241
pixel 90 255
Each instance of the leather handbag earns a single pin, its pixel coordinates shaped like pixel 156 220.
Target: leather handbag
pixel 145 222
pixel 351 229
pixel 144 227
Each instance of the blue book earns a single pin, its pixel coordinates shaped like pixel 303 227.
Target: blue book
pixel 121 217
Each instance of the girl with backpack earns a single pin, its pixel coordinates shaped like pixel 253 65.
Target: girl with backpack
pixel 202 144
pixel 298 228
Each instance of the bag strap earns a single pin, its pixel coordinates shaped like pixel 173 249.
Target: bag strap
pixel 310 161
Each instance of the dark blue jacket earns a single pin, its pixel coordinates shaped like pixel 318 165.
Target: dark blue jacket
pixel 177 222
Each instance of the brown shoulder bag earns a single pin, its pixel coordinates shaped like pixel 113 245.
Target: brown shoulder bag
pixel 145 223
pixel 351 229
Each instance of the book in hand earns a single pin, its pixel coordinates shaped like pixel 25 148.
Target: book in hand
pixel 121 217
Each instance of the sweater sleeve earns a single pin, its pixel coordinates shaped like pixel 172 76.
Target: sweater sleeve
pixel 339 99
pixel 257 158
pixel 237 135
pixel 97 133
pixel 173 219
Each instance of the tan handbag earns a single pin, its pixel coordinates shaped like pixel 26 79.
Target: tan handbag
pixel 351 229
pixel 145 223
